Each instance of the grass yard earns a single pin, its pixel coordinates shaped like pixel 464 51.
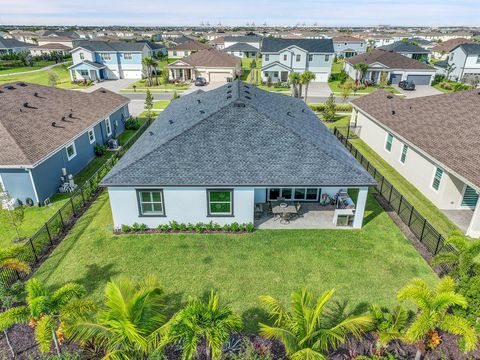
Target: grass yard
pixel 424 206
pixel 41 78
pixel 364 266
pixel 141 86
pixel 161 104
pixel 37 65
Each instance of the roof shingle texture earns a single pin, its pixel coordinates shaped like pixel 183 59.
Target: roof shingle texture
pixel 310 45
pixel 445 126
pixel 26 131
pixel 346 38
pixel 449 45
pixel 237 135
pixel 111 46
pixel 211 58
pixel 191 46
pixel 241 47
pixel 390 59
pixel 405 47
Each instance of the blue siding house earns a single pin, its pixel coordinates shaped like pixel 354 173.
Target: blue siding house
pixel 10 46
pixel 98 60
pixel 48 131
pixel 348 46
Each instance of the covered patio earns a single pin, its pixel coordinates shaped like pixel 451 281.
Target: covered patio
pixel 181 71
pixel 87 70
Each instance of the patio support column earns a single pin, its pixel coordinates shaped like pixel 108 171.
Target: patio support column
pixel 474 227
pixel 360 207
pixel 71 75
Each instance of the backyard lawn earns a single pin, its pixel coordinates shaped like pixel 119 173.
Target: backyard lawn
pixel 364 266
pixel 37 65
pixel 424 206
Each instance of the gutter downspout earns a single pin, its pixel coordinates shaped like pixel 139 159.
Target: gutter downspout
pixel 33 186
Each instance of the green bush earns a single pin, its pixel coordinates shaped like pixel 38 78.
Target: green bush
pixel 132 124
pixel 139 227
pixel 338 107
pixel 438 79
pixel 126 228
pixel 202 227
pixel 100 149
pixel 469 287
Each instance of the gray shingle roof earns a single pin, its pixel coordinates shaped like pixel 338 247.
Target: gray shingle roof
pixel 237 135
pixel 241 47
pixel 112 46
pixel 13 43
pixel 311 45
pixel 243 38
pixel 470 49
pixel 405 48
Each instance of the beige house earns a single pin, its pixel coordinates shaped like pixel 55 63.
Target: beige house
pixel 212 64
pixel 186 49
pixel 50 48
pixel 442 50
pixel 433 142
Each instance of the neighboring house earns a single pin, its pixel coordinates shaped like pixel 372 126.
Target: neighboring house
pixel 212 156
pixel 29 37
pixel 433 142
pixel 377 40
pixel 10 46
pixel 62 40
pixel 44 129
pixel 465 62
pixel 98 60
pixel 348 46
pixel 186 49
pixel 212 64
pixel 422 42
pixel 218 43
pixel 280 57
pixel 407 49
pixel 179 39
pixel 50 49
pixel 396 66
pixel 242 50
pixel 442 50
pixel 252 40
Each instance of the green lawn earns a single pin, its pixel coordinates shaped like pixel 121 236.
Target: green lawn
pixel 246 70
pixel 41 78
pixel 161 104
pixel 141 86
pixel 424 206
pixel 364 266
pixel 37 65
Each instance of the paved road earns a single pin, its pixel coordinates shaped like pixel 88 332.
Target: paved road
pixel 34 71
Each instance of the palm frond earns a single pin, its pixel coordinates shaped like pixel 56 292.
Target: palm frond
pixel 274 308
pixel 446 284
pixel 43 333
pixel 16 265
pixel 420 326
pixel 66 293
pixel 459 326
pixel 443 301
pixel 417 291
pixel 35 288
pixel 284 336
pixel 307 354
pixel 337 335
pixel 16 315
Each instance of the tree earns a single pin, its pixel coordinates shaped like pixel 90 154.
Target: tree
pixel 433 313
pixel 305 79
pixel 383 80
pixel 449 69
pixel 52 78
pixel 154 65
pixel 149 104
pixel 47 312
pixel 306 331
pixel 388 324
pixel 329 110
pixel 345 90
pixel 253 66
pixel 128 324
pixel 164 77
pixel 9 296
pixel 202 321
pixel 361 70
pixel 464 259
pixel 294 79
pixel 147 62
pixel 14 217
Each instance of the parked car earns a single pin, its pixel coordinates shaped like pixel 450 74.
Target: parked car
pixel 406 85
pixel 200 81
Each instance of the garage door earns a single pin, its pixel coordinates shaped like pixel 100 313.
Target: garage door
pixel 321 77
pixel 420 79
pixel 219 76
pixel 132 74
pixel 395 78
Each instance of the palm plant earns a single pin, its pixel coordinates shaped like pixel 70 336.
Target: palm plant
pixel 9 296
pixel 253 66
pixel 147 62
pixel 433 305
pixel 307 332
pixel 464 259
pixel 388 324
pixel 305 79
pixel 47 312
pixel 202 321
pixel 294 79
pixel 128 324
pixel 154 65
pixel 362 69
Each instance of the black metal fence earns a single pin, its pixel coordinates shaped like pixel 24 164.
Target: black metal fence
pixel 36 248
pixel 433 241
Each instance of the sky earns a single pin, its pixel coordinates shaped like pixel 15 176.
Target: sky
pixel 239 12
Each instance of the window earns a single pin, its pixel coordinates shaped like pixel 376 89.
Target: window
pixel 403 156
pixel 127 56
pixel 297 57
pixel 82 56
pixel 267 57
pixel 105 56
pixel 310 57
pixel 108 126
pixel 240 53
pixel 388 144
pixel 84 73
pixel 275 74
pixel 151 202
pixel 71 151
pixel 186 53
pixel 478 59
pixel 437 178
pixel 91 136
pixel 285 57
pixel 451 56
pixel 174 53
pixel 290 194
pixel 327 58
pixel 220 202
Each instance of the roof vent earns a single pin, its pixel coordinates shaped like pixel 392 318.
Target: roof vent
pixel 229 96
pixel 389 96
pixel 9 87
pixel 25 104
pixel 1 92
pixel 303 110
pixel 103 91
pixel 248 97
pixel 393 112
pixel 22 84
pixel 198 101
pixel 247 92
pixel 246 86
pixel 290 114
pixel 238 104
pixel 229 91
pixel 202 111
pixel 150 133
pixel 170 122
pixel 54 124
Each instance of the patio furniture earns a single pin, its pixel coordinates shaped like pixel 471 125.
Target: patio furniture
pixel 284 212
pixel 258 211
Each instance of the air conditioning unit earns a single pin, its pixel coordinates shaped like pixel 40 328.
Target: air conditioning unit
pixel 112 144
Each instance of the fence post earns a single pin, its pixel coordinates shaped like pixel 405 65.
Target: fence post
pixel 61 218
pixel 48 232
pixel 390 196
pixel 374 172
pixel 73 207
pixel 438 243
pixel 410 217
pixel 368 165
pixel 83 197
pixel 400 204
pixel 33 249
pixel 423 229
pixel 381 184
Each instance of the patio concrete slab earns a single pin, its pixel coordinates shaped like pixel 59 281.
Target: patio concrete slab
pixel 461 218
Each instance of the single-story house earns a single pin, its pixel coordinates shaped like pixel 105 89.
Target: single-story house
pixel 347 46
pixel 70 42
pixel 10 46
pixel 214 156
pixel 408 49
pixel 49 49
pixel 251 40
pixel 212 64
pixel 433 142
pixel 396 66
pixel 44 130
pixel 242 50
pixel 186 48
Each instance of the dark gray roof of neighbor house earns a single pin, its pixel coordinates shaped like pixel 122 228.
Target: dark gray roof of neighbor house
pixel 441 64
pixel 153 45
pixel 470 49
pixel 390 59
pixel 241 47
pixel 237 135
pixel 243 38
pixel 445 126
pixel 13 43
pixel 405 48
pixel 111 46
pixel 310 45
pixel 420 41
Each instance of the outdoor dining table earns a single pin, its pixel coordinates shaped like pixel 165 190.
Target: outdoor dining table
pixel 279 208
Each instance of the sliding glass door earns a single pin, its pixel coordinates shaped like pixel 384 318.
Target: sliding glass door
pixel 293 194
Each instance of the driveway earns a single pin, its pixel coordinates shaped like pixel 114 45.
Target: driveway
pixel 210 86
pixel 318 89
pixel 420 90
pixel 112 85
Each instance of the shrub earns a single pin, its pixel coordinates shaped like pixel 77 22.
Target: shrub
pixel 199 227
pixel 446 85
pixel 338 107
pixel 132 124
pixel 342 77
pixel 174 226
pixel 126 228
pixel 438 79
pixel 469 287
pixel 139 227
pixel 100 149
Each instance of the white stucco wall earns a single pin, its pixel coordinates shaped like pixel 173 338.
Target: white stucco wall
pixel 418 169
pixel 182 204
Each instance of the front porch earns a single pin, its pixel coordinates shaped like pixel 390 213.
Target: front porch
pixel 181 73
pixel 87 71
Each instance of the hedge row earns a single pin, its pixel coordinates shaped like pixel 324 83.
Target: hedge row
pixel 338 107
pixel 200 227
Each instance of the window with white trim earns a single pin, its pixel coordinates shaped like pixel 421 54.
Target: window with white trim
pixel 151 202
pixel 174 52
pixel 220 202
pixel 108 126
pixel 327 58
pixel 71 151
pixel 267 57
pixel 91 135
pixel 82 56
pixel 298 57
pixel 388 143
pixel 437 178
pixel 310 57
pixel 127 56
pixel 84 73
pixel 403 156
pixel 105 56
pixel 284 57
